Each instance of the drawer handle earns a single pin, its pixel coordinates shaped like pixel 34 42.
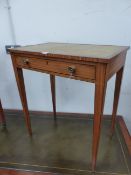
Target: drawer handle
pixel 71 70
pixel 26 61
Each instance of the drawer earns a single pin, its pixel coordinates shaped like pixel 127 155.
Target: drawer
pixel 67 69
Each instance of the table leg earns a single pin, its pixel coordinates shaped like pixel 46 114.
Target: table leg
pixel 52 81
pixel 2 116
pixel 100 91
pixel 21 88
pixel 119 76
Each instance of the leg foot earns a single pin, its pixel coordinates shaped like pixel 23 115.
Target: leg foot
pixel 52 82
pixel 116 98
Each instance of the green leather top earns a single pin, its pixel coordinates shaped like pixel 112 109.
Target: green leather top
pixel 81 50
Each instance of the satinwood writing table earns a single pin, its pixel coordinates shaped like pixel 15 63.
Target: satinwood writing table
pixel 91 63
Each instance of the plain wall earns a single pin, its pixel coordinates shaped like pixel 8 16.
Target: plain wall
pixel 75 21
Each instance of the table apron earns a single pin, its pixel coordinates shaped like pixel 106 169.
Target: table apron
pixel 83 72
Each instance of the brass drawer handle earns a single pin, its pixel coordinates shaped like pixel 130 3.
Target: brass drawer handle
pixel 26 61
pixel 71 70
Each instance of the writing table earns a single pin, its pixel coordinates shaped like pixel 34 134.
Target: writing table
pixel 91 63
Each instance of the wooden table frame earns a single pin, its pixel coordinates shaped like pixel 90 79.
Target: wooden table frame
pixel 100 71
pixel 2 116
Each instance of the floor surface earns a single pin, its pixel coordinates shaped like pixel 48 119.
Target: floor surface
pixel 61 147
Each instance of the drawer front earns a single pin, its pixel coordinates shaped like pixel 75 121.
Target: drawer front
pixel 58 67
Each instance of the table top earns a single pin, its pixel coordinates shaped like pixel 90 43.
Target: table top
pixel 101 53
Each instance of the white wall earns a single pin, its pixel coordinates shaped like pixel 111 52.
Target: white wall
pixel 77 21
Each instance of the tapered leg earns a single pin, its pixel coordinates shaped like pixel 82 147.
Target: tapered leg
pixel 100 91
pixel 21 87
pixel 52 82
pixel 119 75
pixel 2 116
